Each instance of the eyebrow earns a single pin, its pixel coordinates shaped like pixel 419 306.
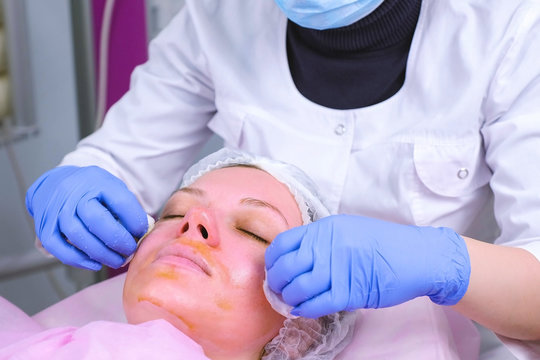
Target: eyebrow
pixel 246 201
pixel 264 204
pixel 193 191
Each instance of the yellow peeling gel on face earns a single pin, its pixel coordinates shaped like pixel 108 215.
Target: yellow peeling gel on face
pixel 171 274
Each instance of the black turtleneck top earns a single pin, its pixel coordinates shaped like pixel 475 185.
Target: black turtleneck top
pixel 357 65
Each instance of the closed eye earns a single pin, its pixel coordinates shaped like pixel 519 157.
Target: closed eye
pixel 254 236
pixel 172 216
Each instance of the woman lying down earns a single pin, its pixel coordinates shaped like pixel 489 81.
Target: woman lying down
pixel 194 289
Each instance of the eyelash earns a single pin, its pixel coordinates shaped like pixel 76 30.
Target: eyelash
pixel 252 235
pixel 172 217
pixel 248 233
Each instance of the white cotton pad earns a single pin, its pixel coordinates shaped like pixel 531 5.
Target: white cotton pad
pixel 151 223
pixel 276 301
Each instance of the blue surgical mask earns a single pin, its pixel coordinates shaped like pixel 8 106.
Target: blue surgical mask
pixel 327 14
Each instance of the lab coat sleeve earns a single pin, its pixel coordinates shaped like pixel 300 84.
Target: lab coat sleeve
pixel 512 134
pixel 512 141
pixel 154 132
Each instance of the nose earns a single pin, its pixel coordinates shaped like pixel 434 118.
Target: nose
pixel 199 224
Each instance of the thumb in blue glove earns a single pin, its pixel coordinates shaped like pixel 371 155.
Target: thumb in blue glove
pixel 347 262
pixel 85 216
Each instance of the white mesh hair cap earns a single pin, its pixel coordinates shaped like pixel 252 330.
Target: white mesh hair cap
pixel 312 339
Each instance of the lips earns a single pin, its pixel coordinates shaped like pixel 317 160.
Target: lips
pixel 185 252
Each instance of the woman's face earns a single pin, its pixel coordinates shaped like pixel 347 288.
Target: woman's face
pixel 202 266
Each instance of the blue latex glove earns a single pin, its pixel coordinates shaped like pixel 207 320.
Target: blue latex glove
pixel 91 208
pixel 346 262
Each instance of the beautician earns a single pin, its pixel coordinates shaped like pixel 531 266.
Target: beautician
pixel 418 119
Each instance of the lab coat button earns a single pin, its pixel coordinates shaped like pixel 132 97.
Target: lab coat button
pixel 463 173
pixel 340 129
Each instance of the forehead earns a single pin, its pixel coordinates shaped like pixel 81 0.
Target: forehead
pixel 239 178
pixel 232 184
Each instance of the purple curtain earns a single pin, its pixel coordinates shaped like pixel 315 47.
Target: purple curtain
pixel 127 45
pixel 127 49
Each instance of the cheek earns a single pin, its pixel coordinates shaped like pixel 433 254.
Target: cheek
pixel 163 293
pixel 142 280
pixel 244 287
pixel 149 247
pixel 254 319
pixel 245 265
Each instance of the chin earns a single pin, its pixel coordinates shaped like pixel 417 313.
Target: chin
pixel 142 309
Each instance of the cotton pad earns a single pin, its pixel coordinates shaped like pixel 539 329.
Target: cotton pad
pixel 276 301
pixel 151 223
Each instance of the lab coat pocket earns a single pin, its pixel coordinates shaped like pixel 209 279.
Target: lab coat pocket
pixel 451 169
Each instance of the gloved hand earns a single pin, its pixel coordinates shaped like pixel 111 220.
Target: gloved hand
pixel 347 262
pixel 85 216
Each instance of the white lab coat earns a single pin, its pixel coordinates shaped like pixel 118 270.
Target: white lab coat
pixel 457 146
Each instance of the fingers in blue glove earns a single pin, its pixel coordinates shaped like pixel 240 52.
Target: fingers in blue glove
pixel 284 243
pixel 324 304
pixel 76 234
pixel 89 207
pixel 290 261
pixel 69 254
pixel 337 296
pixel 306 286
pixel 123 204
pixel 373 263
pixel 100 222
pixel 309 284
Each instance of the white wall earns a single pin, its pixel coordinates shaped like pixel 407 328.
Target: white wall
pixel 52 66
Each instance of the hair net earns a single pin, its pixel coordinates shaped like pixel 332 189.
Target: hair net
pixel 299 338
pixel 312 339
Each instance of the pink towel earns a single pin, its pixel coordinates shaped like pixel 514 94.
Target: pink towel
pixel 22 338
